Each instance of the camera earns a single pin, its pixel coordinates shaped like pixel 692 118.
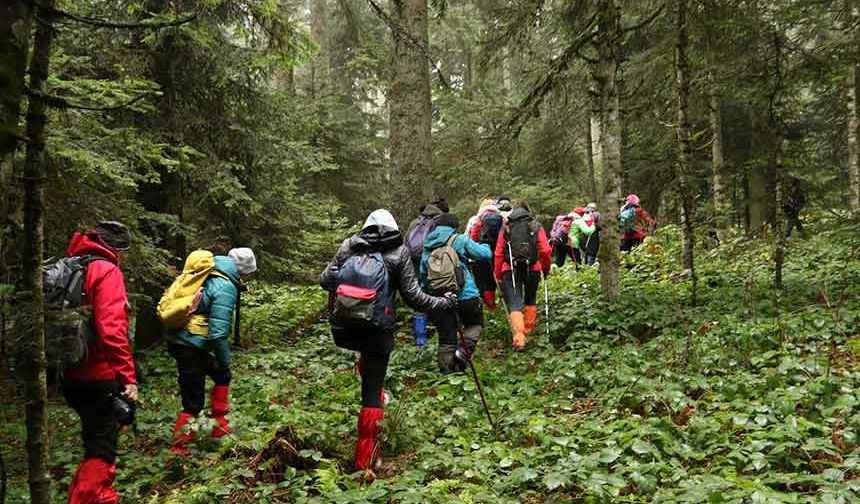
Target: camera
pixel 123 409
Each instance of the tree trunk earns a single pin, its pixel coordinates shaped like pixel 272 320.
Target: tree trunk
pixel 722 203
pixel 15 28
pixel 343 44
pixel 609 143
pixel 762 210
pixel 589 160
pixel 319 63
pixel 853 141
pixel 685 140
pixel 32 248
pixel 779 197
pixel 410 110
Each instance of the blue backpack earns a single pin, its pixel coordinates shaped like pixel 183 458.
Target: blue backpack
pixel 416 236
pixel 363 296
pixel 627 219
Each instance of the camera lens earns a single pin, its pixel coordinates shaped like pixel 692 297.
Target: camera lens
pixel 123 410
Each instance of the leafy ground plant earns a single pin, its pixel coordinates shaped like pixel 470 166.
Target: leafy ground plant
pixel 747 397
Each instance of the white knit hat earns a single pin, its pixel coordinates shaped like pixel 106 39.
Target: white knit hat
pixel 244 258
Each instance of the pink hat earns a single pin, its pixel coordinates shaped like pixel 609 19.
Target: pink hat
pixel 632 199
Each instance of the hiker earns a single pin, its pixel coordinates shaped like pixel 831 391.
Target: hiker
pixel 470 224
pixel 792 207
pixel 592 243
pixel 106 378
pixel 559 240
pixel 201 347
pixel 504 205
pixel 362 279
pixel 581 230
pixel 469 314
pixel 632 221
pixel 522 253
pixel 486 230
pixel 418 230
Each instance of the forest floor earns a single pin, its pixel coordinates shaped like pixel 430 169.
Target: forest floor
pixel 743 398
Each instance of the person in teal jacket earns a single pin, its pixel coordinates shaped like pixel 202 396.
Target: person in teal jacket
pixel 469 312
pixel 200 356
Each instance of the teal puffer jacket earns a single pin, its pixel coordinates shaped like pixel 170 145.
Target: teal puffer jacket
pixel 466 249
pixel 220 297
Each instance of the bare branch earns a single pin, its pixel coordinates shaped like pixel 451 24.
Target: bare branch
pixel 58 102
pixel 400 31
pixel 646 21
pixel 101 23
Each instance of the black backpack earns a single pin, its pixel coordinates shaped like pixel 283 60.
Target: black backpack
pixel 491 225
pixel 521 234
pixel 68 328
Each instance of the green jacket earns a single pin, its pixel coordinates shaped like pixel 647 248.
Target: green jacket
pixel 579 230
pixel 220 297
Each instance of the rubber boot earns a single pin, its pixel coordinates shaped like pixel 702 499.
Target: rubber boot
pixel 219 401
pixel 447 359
pixel 530 318
pixel 181 440
pixel 93 483
pixel 489 300
pixel 369 428
pixel 419 327
pixel 518 328
pixel 471 334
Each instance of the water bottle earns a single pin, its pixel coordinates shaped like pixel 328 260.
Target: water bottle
pixel 419 327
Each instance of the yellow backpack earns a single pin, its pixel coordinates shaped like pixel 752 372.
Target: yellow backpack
pixel 177 305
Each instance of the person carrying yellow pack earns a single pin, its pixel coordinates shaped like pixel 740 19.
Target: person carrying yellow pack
pixel 206 297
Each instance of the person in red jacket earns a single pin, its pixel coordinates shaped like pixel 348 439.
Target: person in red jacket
pixel 520 279
pixel 108 370
pixel 632 237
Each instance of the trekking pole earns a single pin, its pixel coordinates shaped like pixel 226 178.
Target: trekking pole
pixel 546 304
pixel 513 270
pixel 477 380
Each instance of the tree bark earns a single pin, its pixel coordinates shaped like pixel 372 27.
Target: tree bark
pixel 684 132
pixel 609 144
pixel 410 111
pixel 319 63
pixel 589 160
pixel 722 203
pixel 15 33
pixel 32 250
pixel 853 141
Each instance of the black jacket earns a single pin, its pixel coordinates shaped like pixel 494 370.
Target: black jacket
pixel 400 272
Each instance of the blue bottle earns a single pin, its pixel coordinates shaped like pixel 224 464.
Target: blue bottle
pixel 419 327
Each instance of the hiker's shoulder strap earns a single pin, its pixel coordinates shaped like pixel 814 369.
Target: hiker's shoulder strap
pixel 452 238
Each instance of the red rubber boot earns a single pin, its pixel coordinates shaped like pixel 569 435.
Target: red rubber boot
pixel 93 483
pixel 367 449
pixel 181 440
pixel 220 405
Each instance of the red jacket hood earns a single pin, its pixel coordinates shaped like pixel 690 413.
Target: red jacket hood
pixel 90 243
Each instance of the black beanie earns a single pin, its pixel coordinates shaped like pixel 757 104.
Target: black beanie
pixel 448 219
pixel 442 204
pixel 114 234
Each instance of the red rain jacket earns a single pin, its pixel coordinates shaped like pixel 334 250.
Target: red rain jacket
pixel 109 354
pixel 643 220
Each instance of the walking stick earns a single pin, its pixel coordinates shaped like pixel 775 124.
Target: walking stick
pixel 546 304
pixel 477 380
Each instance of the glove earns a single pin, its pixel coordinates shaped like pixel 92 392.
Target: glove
pixel 452 300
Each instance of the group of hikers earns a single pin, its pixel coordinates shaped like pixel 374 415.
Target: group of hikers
pixel 449 277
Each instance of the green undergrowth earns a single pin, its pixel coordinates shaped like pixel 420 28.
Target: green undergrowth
pixel 746 397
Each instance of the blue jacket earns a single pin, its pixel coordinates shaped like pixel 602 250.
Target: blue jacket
pixel 466 248
pixel 220 297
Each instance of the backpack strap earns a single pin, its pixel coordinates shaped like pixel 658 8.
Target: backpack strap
pixel 451 239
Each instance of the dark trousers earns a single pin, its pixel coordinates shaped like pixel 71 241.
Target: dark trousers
pixel 483 272
pixel 468 312
pixel 193 366
pixel 560 253
pixel 591 248
pixel 793 222
pixel 525 294
pixel 374 365
pixel 91 400
pixel 628 244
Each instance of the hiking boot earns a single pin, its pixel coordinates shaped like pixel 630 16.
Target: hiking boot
pixel 518 330
pixel 447 358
